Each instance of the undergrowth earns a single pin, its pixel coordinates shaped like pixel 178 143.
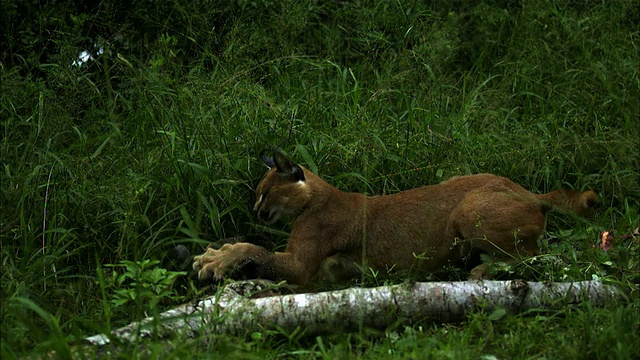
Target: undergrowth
pixel 154 143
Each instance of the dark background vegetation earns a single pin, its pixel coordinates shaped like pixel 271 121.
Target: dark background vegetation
pixel 154 143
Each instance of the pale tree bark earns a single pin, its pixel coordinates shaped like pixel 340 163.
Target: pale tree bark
pixel 235 311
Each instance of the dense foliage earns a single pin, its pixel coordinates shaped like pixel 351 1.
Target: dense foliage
pixel 152 141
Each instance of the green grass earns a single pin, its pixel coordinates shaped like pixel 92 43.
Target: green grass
pixel 156 144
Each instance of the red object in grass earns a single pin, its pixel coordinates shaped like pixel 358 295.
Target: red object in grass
pixel 606 238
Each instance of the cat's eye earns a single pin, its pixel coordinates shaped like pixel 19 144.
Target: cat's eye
pixel 263 197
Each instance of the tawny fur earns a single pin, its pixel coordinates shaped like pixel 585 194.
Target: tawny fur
pixel 423 229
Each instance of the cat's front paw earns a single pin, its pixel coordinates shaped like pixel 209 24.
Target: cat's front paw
pixel 217 263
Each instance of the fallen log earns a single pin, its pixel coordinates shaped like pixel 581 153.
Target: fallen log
pixel 235 310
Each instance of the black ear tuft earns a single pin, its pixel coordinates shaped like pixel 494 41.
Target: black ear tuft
pixel 267 160
pixel 286 166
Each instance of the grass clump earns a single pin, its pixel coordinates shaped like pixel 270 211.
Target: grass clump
pixel 153 143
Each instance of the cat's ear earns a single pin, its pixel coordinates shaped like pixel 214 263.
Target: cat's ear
pixel 286 166
pixel 267 160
